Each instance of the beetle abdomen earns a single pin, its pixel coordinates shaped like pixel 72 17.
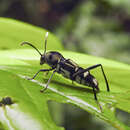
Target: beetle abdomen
pixel 87 79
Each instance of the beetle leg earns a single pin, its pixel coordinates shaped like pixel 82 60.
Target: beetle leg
pixel 42 90
pixel 42 70
pixel 93 67
pixel 95 97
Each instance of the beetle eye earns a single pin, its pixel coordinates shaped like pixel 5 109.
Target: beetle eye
pixel 42 60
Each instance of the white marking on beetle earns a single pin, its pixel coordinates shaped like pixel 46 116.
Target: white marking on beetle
pixel 86 73
pixel 76 69
pixel 65 73
pixel 83 82
pixel 72 62
pixel 58 67
pixel 78 79
pixel 95 81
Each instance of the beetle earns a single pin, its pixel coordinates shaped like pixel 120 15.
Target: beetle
pixel 68 69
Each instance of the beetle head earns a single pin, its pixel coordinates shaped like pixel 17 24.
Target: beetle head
pixel 42 58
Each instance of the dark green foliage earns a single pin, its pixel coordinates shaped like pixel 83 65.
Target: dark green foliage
pixel 99 28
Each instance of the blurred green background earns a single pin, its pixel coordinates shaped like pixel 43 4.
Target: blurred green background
pixel 95 27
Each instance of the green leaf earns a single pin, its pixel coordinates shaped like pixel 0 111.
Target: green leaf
pixel 30 105
pixel 13 32
pixel 62 90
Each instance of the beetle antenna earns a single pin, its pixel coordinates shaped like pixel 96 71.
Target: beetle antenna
pixel 46 36
pixel 31 46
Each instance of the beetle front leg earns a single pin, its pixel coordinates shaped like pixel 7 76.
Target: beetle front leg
pixel 42 90
pixel 42 70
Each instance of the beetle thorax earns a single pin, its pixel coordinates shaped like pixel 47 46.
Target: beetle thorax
pixel 52 58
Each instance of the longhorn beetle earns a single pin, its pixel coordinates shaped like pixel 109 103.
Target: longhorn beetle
pixel 67 68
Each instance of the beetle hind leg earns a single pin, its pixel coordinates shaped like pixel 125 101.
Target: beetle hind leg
pixel 95 97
